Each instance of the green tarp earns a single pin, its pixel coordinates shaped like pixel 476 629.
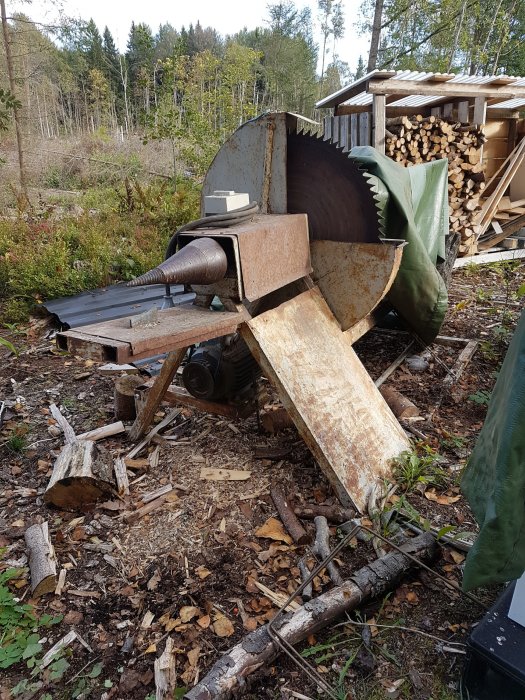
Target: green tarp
pixel 414 207
pixel 494 479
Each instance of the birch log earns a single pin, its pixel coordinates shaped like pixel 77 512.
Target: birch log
pixel 42 561
pixel 257 649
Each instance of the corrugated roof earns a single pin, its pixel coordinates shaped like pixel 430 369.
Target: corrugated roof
pixel 350 95
pixel 114 301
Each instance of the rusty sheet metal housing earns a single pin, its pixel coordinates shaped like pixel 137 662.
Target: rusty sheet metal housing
pixel 355 277
pixel 269 252
pixel 253 160
pixel 334 403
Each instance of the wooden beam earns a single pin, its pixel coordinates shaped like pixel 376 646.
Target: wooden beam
pixel 352 90
pixel 392 86
pixel 379 114
pixel 156 393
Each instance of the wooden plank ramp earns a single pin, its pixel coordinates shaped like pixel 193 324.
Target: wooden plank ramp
pixel 333 401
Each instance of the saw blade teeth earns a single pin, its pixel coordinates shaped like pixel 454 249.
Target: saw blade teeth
pixel 333 190
pixel 371 180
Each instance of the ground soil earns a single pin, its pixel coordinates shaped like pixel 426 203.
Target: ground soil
pixel 198 556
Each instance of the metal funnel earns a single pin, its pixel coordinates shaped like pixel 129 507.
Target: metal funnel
pixel 202 261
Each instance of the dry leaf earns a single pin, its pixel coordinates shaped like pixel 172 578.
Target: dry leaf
pixel 250 624
pixel 457 556
pixel 222 626
pixel 151 649
pixel 193 656
pixel 204 622
pixel 188 612
pixel 224 474
pixel 222 525
pixel 202 572
pixel 154 580
pixel 273 529
pixel 442 499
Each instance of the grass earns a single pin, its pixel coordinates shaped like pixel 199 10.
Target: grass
pixel 17 440
pixel 418 466
pixel 123 236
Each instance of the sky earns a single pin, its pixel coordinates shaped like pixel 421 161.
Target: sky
pixel 226 16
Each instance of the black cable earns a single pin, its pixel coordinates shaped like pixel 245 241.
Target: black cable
pixel 215 221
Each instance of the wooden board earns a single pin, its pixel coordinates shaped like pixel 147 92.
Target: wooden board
pixel 180 327
pixel 330 396
pixel 517 186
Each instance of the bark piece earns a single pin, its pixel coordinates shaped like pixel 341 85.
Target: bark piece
pixel 165 672
pixel 321 548
pixel 81 476
pixel 124 397
pixel 258 649
pixel 42 561
pixel 334 514
pixel 287 515
pixel 121 477
pixel 400 406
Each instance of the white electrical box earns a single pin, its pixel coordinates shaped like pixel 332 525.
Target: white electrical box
pixel 224 201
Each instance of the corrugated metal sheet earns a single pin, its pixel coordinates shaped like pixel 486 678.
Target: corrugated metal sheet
pixel 107 303
pixel 363 98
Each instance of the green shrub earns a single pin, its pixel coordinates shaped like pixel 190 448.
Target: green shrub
pixel 43 259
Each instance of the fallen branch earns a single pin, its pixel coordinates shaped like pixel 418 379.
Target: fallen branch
pixel 258 648
pixel 334 514
pixel 290 520
pixel 321 548
pixel 69 433
pixel 464 358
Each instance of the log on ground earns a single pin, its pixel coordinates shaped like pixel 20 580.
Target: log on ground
pixel 82 474
pixel 42 561
pixel 258 649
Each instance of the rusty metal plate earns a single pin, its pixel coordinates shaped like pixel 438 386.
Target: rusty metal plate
pixel 273 251
pixel 354 277
pixel 253 160
pixel 333 401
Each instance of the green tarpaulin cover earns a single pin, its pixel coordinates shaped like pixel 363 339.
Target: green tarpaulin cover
pixel 414 207
pixel 494 479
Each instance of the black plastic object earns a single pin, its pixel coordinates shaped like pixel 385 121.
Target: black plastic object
pixel 495 668
pixel 218 370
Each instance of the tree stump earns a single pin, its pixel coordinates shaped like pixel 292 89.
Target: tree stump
pixel 125 396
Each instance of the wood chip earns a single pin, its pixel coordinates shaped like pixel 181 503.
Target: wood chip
pixel 210 474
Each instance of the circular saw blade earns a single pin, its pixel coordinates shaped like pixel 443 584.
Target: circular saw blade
pixel 331 189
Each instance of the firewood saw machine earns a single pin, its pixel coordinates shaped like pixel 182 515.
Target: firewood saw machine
pixel 292 262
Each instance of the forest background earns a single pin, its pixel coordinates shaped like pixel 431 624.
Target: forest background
pixel 102 132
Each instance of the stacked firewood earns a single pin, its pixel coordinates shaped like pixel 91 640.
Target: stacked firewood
pixel 419 139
